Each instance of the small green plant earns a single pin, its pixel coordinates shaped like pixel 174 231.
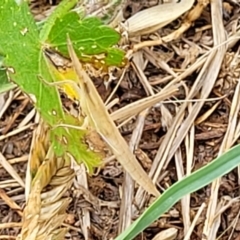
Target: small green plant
pixel 23 47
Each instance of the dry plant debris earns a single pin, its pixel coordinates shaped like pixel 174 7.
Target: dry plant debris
pixel 200 53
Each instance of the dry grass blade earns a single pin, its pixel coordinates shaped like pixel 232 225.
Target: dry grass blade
pixel 10 202
pixel 168 234
pixel 82 183
pixel 5 104
pixel 212 224
pixel 138 106
pixel 16 131
pixel 154 18
pixel 188 19
pixel 98 118
pixel 179 128
pixel 11 170
pixel 10 225
pixel 128 183
pixel 45 208
pixel 194 222
pixel 209 71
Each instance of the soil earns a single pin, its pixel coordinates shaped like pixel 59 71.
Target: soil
pixel 105 191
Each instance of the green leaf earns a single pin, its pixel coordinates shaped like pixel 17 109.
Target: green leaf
pixel 62 8
pixel 89 38
pixel 115 57
pixel 71 141
pixel 198 179
pixel 22 51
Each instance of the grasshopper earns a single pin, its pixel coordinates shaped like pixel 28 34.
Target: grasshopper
pixel 98 117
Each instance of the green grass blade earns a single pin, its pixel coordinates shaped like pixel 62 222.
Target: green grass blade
pixel 198 179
